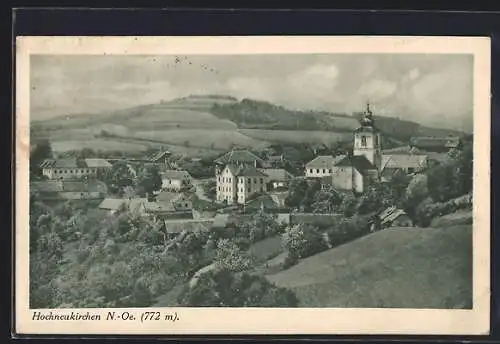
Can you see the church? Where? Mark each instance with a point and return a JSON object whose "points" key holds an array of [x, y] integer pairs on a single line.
{"points": [[355, 170]]}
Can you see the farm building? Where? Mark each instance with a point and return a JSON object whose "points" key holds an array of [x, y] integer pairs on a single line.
{"points": [[277, 178], [69, 190], [435, 144], [72, 168], [173, 180], [394, 217]]}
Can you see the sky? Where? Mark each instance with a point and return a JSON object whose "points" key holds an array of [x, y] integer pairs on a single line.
{"points": [[430, 89]]}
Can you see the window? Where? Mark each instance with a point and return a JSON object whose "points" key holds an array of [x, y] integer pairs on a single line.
{"points": [[219, 188], [230, 180], [330, 170], [310, 170], [249, 190], [324, 171], [376, 140], [363, 141], [255, 180], [249, 181], [261, 189], [411, 169], [186, 205], [219, 179], [262, 180], [317, 170]]}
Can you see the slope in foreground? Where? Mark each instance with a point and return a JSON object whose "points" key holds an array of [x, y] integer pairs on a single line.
{"points": [[395, 268]]}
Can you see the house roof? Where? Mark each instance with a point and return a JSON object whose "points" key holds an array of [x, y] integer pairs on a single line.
{"points": [[321, 161], [132, 204], [97, 163], [174, 174], [62, 163], [249, 171], [169, 197], [188, 225], [403, 161], [435, 142], [275, 158], [160, 155], [324, 161], [68, 186], [277, 174], [393, 215], [47, 186], [232, 168], [359, 162], [238, 156]]}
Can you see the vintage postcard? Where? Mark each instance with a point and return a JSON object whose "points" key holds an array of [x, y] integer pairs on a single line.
{"points": [[252, 185]]}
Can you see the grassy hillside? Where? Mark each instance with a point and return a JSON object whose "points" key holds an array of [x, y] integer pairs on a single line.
{"points": [[209, 124], [397, 268]]}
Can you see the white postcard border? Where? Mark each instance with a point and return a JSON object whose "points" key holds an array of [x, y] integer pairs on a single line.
{"points": [[264, 320]]}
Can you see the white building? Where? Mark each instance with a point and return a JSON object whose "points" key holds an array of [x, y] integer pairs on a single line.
{"points": [[72, 168], [173, 180]]}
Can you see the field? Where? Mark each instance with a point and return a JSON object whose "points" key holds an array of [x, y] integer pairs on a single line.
{"points": [[296, 136], [395, 268], [214, 138]]}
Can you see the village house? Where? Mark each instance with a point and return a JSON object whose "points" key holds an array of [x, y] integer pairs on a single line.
{"points": [[160, 157], [173, 180], [407, 163], [132, 205], [394, 217], [435, 144], [72, 168], [321, 166], [69, 190], [277, 178]]}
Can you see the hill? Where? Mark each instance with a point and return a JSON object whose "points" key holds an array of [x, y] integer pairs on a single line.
{"points": [[199, 124], [395, 268]]}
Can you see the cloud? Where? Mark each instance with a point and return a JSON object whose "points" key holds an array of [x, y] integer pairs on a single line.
{"points": [[377, 89]]}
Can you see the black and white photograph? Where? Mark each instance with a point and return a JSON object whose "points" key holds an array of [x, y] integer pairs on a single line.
{"points": [[322, 179]]}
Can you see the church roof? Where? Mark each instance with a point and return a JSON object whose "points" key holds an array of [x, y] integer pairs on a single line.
{"points": [[403, 161], [359, 162]]}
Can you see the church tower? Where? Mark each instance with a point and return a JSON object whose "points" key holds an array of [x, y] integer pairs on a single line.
{"points": [[367, 139]]}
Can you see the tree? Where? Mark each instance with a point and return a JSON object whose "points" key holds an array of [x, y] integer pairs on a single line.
{"points": [[294, 240], [149, 180], [41, 152], [326, 201], [229, 256], [118, 177], [223, 288], [348, 205]]}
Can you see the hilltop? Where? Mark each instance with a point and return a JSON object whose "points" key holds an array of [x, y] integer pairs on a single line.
{"points": [[199, 124], [397, 268]]}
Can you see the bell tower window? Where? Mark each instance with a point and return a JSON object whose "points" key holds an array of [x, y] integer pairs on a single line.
{"points": [[363, 141]]}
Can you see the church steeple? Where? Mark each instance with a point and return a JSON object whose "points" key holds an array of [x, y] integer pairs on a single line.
{"points": [[367, 139]]}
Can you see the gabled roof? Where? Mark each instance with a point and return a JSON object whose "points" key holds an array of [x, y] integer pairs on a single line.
{"points": [[359, 162], [325, 161], [321, 161], [249, 171], [188, 225], [132, 204], [238, 156], [403, 161], [160, 155], [97, 163], [232, 168], [393, 216], [62, 163], [175, 174], [276, 174], [68, 186], [170, 197], [435, 142]]}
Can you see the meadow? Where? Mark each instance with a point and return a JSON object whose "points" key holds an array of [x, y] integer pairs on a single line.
{"points": [[395, 268]]}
